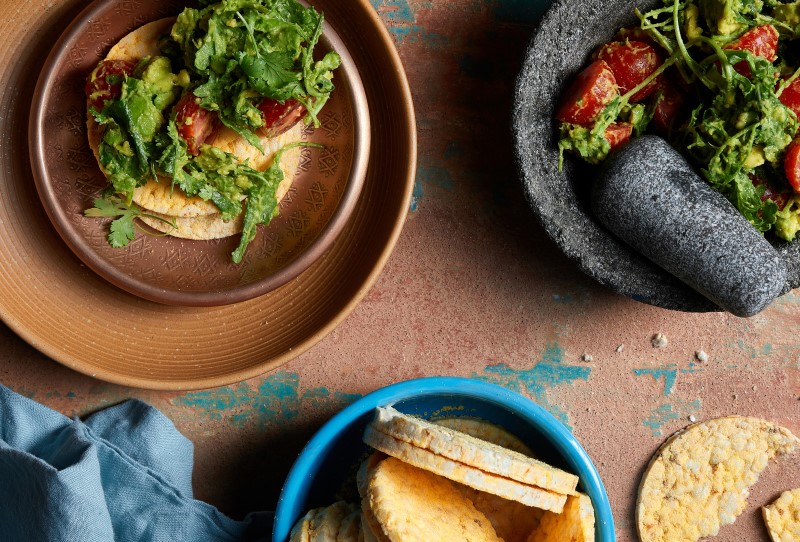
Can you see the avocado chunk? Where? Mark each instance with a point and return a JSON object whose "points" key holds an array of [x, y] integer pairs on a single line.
{"points": [[787, 13], [691, 22], [787, 222], [164, 85], [726, 17]]}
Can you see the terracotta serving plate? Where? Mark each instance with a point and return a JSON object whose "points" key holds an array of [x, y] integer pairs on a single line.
{"points": [[70, 313], [561, 47], [168, 269]]}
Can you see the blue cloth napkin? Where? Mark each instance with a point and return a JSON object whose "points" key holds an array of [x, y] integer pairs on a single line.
{"points": [[124, 474]]}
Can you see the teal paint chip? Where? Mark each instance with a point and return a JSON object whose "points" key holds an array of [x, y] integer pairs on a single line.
{"points": [[276, 401], [547, 374], [670, 412], [669, 373]]}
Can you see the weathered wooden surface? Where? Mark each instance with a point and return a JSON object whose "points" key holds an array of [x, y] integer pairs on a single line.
{"points": [[474, 288]]}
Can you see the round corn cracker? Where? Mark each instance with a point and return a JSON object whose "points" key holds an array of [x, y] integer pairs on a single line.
{"points": [[365, 469], [700, 478], [487, 431], [200, 228], [574, 524], [155, 196], [350, 526], [415, 505], [471, 451], [464, 474], [141, 42], [301, 532], [370, 528], [512, 521], [325, 525], [782, 517]]}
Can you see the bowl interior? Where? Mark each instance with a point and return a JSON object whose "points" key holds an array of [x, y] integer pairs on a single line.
{"points": [[175, 271], [560, 48], [326, 468]]}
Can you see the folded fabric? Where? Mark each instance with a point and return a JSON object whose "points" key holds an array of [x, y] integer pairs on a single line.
{"points": [[124, 474]]}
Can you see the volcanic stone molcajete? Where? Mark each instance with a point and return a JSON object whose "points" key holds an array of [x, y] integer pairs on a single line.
{"points": [[650, 197]]}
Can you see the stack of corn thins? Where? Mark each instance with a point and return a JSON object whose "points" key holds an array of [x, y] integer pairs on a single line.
{"points": [[462, 479]]}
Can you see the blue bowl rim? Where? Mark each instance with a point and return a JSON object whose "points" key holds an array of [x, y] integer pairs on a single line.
{"points": [[307, 463]]}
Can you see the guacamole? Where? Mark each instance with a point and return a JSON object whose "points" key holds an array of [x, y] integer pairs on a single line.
{"points": [[218, 66], [726, 95]]}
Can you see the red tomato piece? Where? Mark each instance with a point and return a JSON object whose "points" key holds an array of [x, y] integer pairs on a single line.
{"points": [[669, 106], [779, 198], [588, 94], [617, 134], [105, 81], [760, 41], [791, 164], [631, 62], [635, 33], [279, 117], [790, 97], [194, 123]]}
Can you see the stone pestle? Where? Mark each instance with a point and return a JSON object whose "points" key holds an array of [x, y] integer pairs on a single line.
{"points": [[649, 196]]}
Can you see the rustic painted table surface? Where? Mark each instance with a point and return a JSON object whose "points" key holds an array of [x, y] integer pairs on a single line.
{"points": [[474, 288]]}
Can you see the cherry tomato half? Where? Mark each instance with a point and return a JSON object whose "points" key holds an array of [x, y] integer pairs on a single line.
{"points": [[617, 134], [279, 117], [760, 41], [790, 97], [791, 164], [105, 81], [194, 123], [670, 102], [631, 62], [588, 94]]}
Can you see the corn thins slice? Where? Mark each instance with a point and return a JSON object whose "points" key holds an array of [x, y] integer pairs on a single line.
{"points": [[415, 505], [301, 532], [574, 524], [783, 517], [464, 474], [700, 478], [324, 527], [484, 430], [474, 452], [512, 521]]}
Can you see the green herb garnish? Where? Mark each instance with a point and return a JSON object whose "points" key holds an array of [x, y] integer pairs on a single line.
{"points": [[123, 227]]}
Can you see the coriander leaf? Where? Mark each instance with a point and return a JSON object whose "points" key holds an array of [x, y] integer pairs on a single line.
{"points": [[261, 205], [106, 207], [270, 73], [122, 230]]}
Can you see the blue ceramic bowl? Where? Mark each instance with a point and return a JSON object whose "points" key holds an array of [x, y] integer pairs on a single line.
{"points": [[325, 469]]}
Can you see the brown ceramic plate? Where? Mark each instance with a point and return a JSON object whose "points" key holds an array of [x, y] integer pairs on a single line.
{"points": [[67, 311], [168, 269]]}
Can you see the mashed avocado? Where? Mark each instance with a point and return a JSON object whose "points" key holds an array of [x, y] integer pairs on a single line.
{"points": [[165, 86], [787, 13], [691, 22], [787, 222], [736, 125], [726, 17]]}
